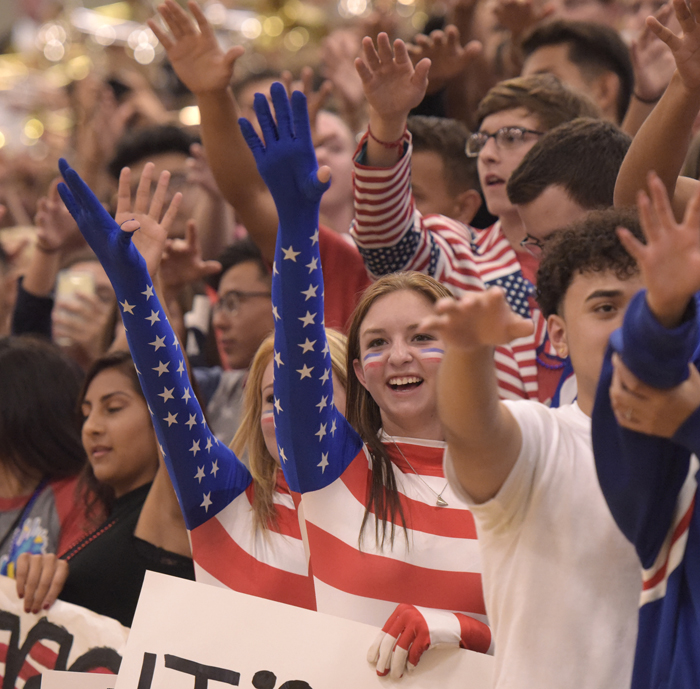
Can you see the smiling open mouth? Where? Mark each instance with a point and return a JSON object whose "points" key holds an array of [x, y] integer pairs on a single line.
{"points": [[405, 382]]}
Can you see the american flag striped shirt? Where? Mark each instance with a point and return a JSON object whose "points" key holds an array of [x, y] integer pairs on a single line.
{"points": [[392, 235], [214, 488], [437, 563]]}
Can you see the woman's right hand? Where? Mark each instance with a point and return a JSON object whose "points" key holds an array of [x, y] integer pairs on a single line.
{"points": [[40, 580]]}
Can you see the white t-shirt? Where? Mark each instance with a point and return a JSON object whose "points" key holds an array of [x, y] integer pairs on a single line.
{"points": [[561, 582]]}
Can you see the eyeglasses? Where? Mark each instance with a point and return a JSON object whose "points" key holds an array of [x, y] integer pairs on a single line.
{"points": [[533, 245], [505, 137], [231, 301]]}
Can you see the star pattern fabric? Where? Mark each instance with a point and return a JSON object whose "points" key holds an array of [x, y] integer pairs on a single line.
{"points": [[205, 483], [214, 488], [160, 365], [315, 441], [518, 290]]}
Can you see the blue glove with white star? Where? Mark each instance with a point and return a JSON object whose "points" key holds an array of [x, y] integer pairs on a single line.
{"points": [[206, 475], [109, 242], [315, 442], [287, 160]]}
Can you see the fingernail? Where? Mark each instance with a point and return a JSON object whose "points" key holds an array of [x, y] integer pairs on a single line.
{"points": [[21, 595], [47, 606]]}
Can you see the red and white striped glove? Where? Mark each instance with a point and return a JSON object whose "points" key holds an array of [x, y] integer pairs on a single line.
{"points": [[410, 631]]}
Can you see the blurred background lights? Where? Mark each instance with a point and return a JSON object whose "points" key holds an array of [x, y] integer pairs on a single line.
{"points": [[144, 54], [215, 12], [296, 39], [189, 116], [352, 8], [105, 34], [33, 129], [54, 50], [273, 26], [251, 28]]}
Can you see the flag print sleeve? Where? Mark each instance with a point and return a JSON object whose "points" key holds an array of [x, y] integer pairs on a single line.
{"points": [[392, 235], [315, 441], [206, 475]]}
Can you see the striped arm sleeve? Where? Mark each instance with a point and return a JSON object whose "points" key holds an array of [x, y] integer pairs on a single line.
{"points": [[387, 228]]}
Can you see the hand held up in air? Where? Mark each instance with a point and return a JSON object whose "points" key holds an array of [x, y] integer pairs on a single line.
{"points": [[111, 243], [686, 47], [670, 260], [193, 50], [478, 319], [286, 160]]}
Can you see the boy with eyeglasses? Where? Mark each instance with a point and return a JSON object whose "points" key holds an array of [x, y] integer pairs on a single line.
{"points": [[392, 235]]}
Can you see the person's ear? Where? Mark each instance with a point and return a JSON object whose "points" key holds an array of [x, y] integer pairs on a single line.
{"points": [[359, 372], [605, 90], [556, 327], [467, 203]]}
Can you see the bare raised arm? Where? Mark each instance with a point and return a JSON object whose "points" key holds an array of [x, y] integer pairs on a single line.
{"points": [[662, 141], [483, 437], [207, 70]]}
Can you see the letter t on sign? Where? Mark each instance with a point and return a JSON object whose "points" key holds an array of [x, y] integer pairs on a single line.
{"points": [[201, 673]]}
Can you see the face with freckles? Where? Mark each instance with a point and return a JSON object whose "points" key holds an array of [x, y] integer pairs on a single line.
{"points": [[267, 421], [399, 361]]}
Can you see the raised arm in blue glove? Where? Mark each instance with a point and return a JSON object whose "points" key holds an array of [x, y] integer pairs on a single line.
{"points": [[206, 475], [315, 441]]}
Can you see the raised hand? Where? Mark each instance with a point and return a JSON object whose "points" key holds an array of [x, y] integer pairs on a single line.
{"points": [[315, 99], [478, 319], [391, 83], [448, 57], [182, 261], [518, 16], [670, 260], [644, 409], [193, 50], [686, 47], [339, 51], [56, 228], [146, 213], [652, 60], [286, 160], [112, 244]]}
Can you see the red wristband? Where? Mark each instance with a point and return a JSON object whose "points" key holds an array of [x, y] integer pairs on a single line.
{"points": [[387, 144]]}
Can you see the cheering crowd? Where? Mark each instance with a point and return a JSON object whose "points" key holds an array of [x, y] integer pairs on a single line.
{"points": [[413, 345]]}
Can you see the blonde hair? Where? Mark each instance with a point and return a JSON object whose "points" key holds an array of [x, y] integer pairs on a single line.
{"points": [[249, 437]]}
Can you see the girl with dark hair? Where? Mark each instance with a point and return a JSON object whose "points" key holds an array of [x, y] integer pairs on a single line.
{"points": [[381, 469], [143, 528], [40, 451]]}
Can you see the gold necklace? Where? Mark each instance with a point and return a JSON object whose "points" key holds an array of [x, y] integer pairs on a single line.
{"points": [[440, 501]]}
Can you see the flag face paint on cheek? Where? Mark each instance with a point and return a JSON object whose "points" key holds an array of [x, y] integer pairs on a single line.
{"points": [[432, 354], [373, 359], [267, 417]]}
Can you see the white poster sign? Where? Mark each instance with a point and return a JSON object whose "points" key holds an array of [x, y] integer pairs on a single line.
{"points": [[194, 636], [66, 637], [53, 679]]}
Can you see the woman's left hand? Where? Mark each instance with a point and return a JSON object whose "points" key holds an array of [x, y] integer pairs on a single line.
{"points": [[40, 580]]}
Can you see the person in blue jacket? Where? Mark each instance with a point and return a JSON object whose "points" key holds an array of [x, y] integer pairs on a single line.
{"points": [[646, 439]]}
